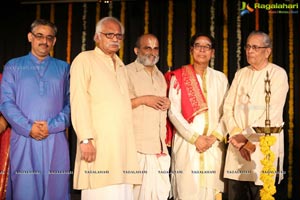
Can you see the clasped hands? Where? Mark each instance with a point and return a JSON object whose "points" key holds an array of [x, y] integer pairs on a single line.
{"points": [[39, 130], [157, 102], [245, 147], [203, 142]]}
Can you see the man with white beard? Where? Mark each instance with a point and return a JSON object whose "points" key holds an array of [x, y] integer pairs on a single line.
{"points": [[148, 90]]}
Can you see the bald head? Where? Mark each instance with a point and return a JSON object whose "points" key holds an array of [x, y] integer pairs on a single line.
{"points": [[144, 38]]}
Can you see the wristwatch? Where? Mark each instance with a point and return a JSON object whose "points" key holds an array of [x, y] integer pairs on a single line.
{"points": [[86, 141]]}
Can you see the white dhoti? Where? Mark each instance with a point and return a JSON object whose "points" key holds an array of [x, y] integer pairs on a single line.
{"points": [[156, 183], [202, 179], [120, 192]]}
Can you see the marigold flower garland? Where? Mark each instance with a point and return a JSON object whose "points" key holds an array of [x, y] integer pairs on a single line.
{"points": [[256, 18], [122, 19], [193, 18], [268, 171], [97, 12], [193, 22], [225, 38], [70, 8], [38, 11], [170, 36], [52, 12], [146, 16]]}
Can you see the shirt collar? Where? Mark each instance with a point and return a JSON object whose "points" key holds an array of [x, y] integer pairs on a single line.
{"points": [[140, 67], [36, 60], [99, 51]]}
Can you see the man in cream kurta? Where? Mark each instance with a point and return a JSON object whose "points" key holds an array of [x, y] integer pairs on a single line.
{"points": [[106, 164], [148, 90], [244, 108]]}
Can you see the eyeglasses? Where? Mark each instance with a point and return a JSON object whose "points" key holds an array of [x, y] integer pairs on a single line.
{"points": [[199, 47], [119, 36], [254, 47], [40, 37]]}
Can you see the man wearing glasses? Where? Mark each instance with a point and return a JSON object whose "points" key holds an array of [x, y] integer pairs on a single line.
{"points": [[197, 93], [106, 163], [244, 108], [35, 102]]}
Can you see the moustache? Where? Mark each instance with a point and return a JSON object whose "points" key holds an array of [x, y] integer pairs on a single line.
{"points": [[114, 44], [44, 44]]}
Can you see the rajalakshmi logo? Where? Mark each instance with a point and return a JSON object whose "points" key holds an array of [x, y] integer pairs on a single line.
{"points": [[281, 8], [246, 8]]}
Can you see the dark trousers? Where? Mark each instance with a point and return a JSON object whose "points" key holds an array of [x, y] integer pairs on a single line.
{"points": [[243, 190]]}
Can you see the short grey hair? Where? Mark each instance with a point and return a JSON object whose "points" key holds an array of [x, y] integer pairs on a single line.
{"points": [[266, 38], [43, 22], [99, 25]]}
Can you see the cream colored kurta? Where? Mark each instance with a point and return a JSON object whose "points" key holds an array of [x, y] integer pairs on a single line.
{"points": [[190, 169], [101, 109], [244, 108], [149, 123]]}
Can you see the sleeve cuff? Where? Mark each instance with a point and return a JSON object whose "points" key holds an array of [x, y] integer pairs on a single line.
{"points": [[248, 132], [218, 135], [235, 131], [194, 138]]}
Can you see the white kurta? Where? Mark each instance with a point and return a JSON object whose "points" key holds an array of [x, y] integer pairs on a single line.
{"points": [[190, 169], [244, 108]]}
